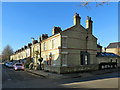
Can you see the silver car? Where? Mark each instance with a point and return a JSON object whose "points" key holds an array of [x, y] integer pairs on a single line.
{"points": [[10, 65], [18, 66]]}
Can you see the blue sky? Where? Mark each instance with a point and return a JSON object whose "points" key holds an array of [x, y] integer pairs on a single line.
{"points": [[23, 20]]}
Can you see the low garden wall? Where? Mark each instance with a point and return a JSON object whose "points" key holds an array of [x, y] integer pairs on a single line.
{"points": [[55, 69], [79, 68], [108, 65], [58, 69]]}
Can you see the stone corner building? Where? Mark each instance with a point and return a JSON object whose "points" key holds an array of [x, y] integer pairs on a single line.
{"points": [[71, 50]]}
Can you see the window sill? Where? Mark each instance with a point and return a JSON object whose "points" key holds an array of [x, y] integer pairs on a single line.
{"points": [[64, 47], [64, 65]]}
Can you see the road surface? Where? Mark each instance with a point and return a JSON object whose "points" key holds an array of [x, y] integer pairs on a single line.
{"points": [[22, 79]]}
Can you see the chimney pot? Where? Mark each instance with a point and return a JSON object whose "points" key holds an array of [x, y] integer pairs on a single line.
{"points": [[53, 26], [75, 14], [76, 19], [87, 17], [90, 18]]}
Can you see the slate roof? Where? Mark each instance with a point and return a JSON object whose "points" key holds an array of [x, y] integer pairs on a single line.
{"points": [[107, 55], [114, 45]]}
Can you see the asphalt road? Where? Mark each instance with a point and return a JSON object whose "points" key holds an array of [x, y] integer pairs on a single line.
{"points": [[22, 79]]}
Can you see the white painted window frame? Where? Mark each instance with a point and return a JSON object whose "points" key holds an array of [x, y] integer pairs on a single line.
{"points": [[44, 46], [66, 54], [86, 59], [53, 44], [64, 37], [37, 47]]}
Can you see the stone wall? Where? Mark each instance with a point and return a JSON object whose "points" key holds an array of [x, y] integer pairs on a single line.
{"points": [[78, 68], [54, 69], [76, 43], [59, 70]]}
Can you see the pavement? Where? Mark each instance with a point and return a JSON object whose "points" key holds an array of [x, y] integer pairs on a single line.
{"points": [[51, 75]]}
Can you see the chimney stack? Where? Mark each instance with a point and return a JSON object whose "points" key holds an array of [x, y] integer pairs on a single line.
{"points": [[43, 36], [56, 30], [29, 44], [25, 46], [34, 41], [39, 38], [76, 19], [104, 49], [22, 49], [89, 24], [18, 50]]}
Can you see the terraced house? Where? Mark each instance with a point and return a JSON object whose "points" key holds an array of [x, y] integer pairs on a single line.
{"points": [[71, 50], [22, 54]]}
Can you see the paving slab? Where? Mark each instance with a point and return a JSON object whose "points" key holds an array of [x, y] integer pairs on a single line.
{"points": [[51, 75]]}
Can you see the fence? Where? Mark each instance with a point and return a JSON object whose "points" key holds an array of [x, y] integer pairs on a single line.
{"points": [[108, 65]]}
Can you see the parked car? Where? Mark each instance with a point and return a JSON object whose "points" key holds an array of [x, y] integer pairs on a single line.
{"points": [[10, 65], [5, 63], [18, 66]]}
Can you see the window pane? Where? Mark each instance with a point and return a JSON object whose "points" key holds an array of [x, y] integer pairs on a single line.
{"points": [[86, 59], [64, 42], [53, 44], [64, 59], [37, 48], [46, 57], [44, 46]]}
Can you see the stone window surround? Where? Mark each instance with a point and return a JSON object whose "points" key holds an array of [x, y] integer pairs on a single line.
{"points": [[44, 46], [65, 54], [64, 42]]}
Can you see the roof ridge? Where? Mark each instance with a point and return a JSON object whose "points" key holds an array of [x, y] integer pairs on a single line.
{"points": [[68, 28], [114, 42]]}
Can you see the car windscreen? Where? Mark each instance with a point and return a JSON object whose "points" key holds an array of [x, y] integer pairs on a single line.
{"points": [[9, 63], [18, 64]]}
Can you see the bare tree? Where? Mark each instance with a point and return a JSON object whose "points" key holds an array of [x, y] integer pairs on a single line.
{"points": [[86, 3], [7, 52]]}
